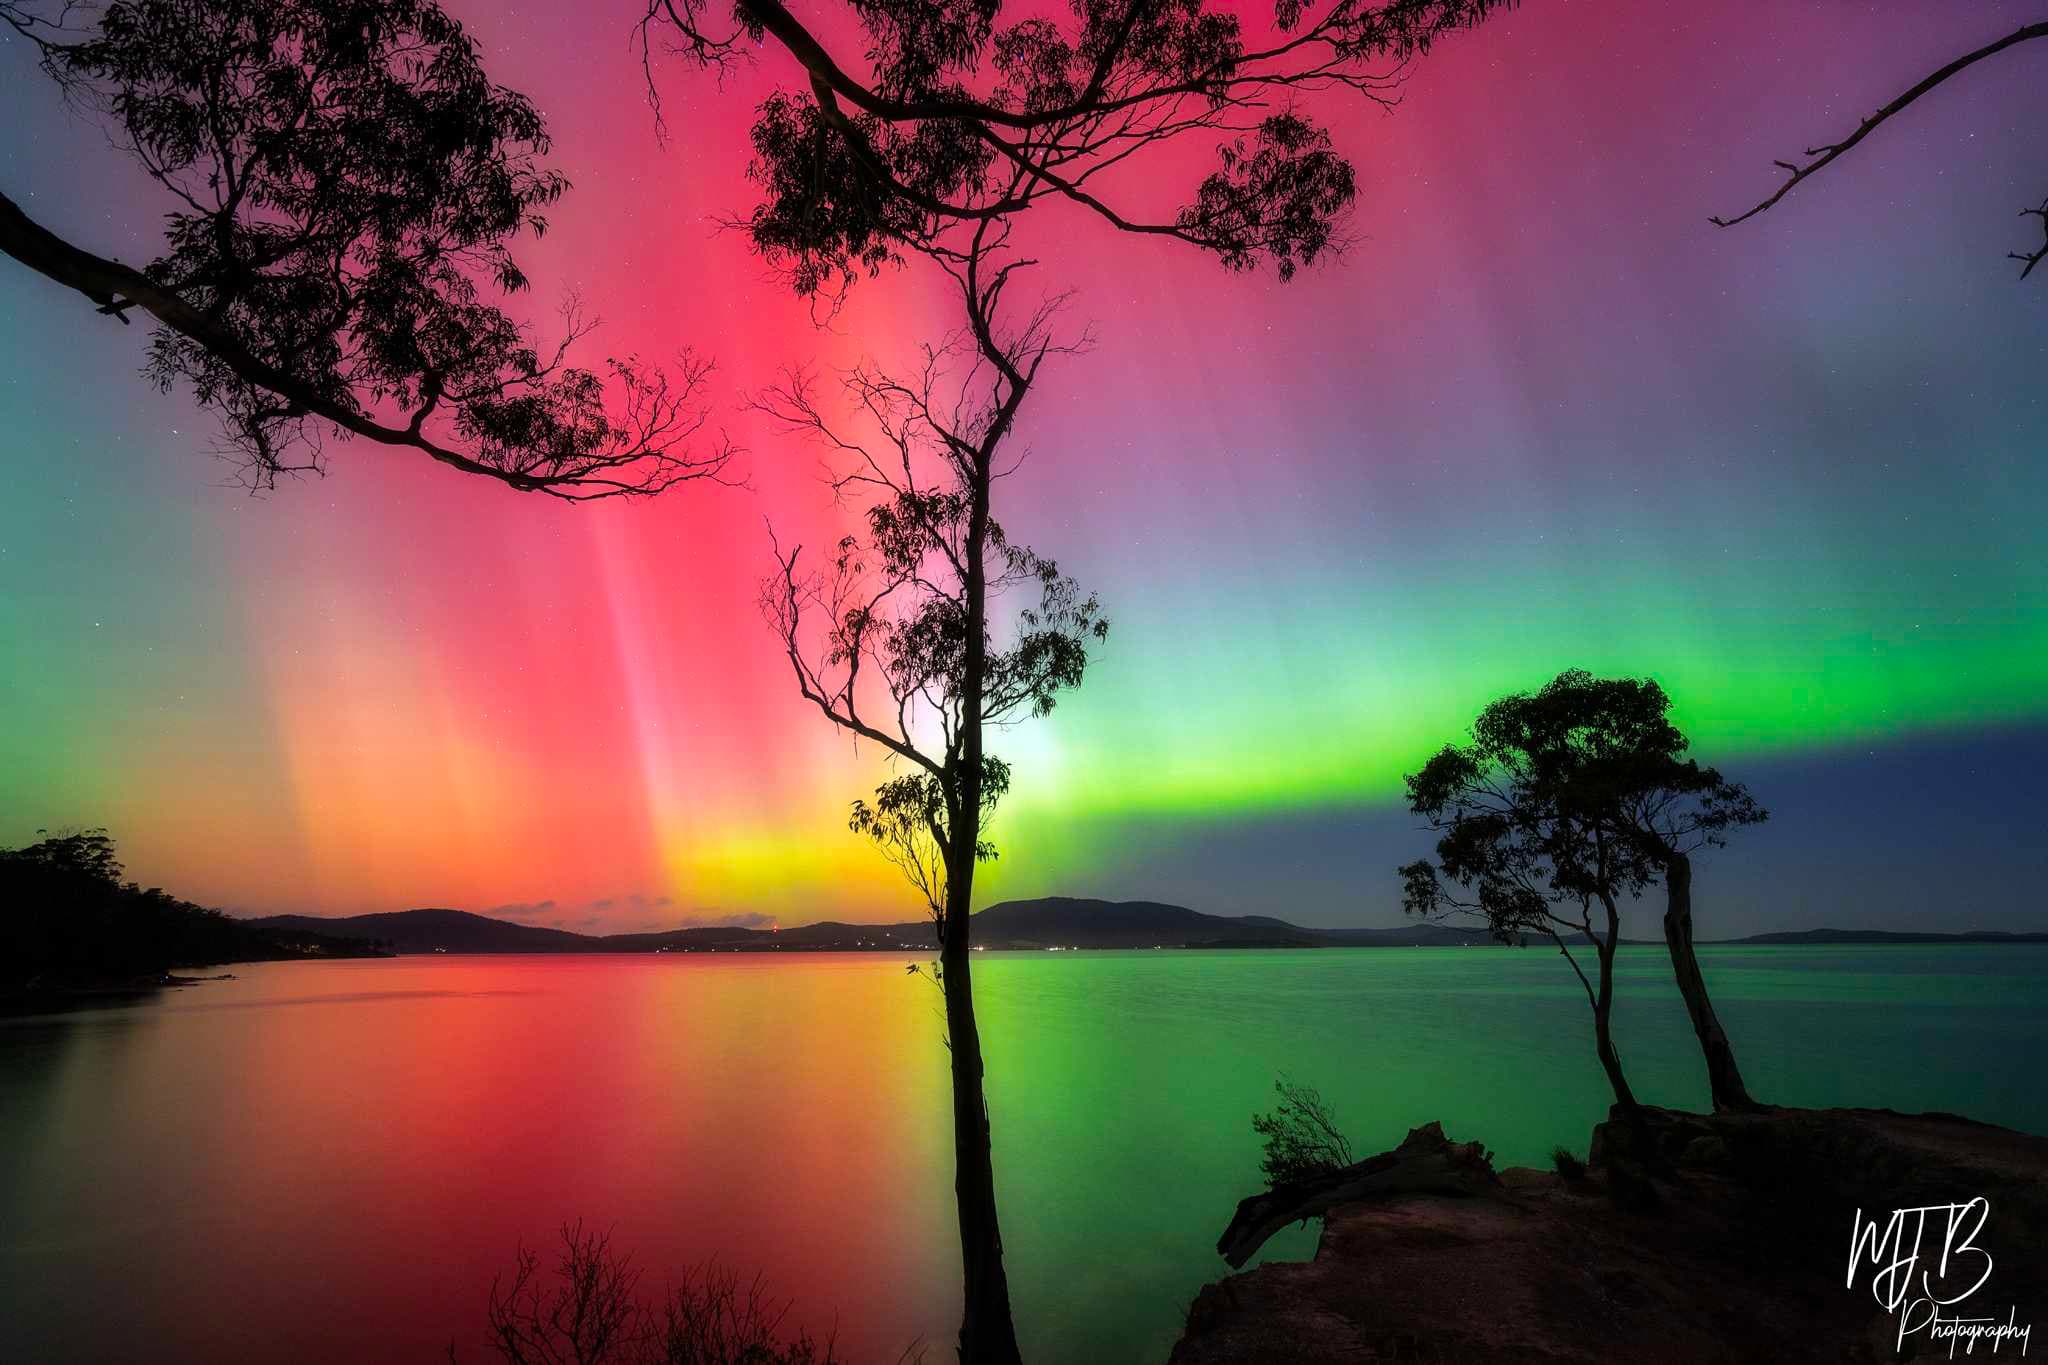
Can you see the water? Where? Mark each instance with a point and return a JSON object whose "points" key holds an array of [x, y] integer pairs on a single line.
{"points": [[328, 1162]]}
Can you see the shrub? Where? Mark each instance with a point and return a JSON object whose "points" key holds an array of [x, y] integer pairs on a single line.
{"points": [[1302, 1140], [591, 1312]]}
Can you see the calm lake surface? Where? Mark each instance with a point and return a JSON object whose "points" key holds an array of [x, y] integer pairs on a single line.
{"points": [[328, 1162]]}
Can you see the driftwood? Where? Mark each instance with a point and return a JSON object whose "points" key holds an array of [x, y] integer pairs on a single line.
{"points": [[1426, 1162]]}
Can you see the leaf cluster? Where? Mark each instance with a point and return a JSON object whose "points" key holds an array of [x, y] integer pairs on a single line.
{"points": [[954, 117], [932, 626], [88, 855], [1301, 1137], [1578, 791], [346, 184]]}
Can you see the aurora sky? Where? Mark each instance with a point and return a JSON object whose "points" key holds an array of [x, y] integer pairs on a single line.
{"points": [[1541, 415]]}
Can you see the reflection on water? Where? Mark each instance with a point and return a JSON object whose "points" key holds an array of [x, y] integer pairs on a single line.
{"points": [[330, 1161]]}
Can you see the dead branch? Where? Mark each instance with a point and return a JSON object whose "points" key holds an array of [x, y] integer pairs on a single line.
{"points": [[1426, 1162]]}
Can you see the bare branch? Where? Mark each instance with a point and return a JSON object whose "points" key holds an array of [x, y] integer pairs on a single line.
{"points": [[2029, 259], [1822, 156]]}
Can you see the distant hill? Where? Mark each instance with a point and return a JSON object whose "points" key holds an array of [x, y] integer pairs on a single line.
{"points": [[424, 931], [1049, 922], [1065, 921], [1827, 936]]}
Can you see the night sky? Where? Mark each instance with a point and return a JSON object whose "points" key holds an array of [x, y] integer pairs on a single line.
{"points": [[1541, 415]]}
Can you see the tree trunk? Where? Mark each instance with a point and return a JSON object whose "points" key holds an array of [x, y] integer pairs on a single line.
{"points": [[1603, 1008], [1722, 1074], [988, 1336]]}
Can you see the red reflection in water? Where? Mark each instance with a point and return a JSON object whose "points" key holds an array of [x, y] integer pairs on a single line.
{"points": [[330, 1162]]}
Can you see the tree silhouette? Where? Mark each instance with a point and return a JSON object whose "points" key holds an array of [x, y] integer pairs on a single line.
{"points": [[1659, 809], [346, 183], [1523, 857], [1579, 793], [1820, 157], [69, 921], [899, 639], [960, 125], [88, 855]]}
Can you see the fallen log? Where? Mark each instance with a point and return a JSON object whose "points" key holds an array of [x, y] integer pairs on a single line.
{"points": [[1426, 1162]]}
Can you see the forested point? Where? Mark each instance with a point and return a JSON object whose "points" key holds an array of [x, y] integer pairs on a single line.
{"points": [[70, 922]]}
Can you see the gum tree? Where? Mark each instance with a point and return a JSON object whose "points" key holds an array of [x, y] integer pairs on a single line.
{"points": [[1578, 793], [924, 636], [918, 130], [1623, 760], [1510, 854]]}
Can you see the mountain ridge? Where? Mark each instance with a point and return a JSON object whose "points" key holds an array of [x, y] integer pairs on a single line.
{"points": [[1041, 923]]}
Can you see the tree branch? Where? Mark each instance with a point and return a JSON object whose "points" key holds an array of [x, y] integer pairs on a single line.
{"points": [[114, 288], [1827, 153]]}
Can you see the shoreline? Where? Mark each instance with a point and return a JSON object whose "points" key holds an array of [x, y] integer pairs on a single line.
{"points": [[86, 986], [1012, 947]]}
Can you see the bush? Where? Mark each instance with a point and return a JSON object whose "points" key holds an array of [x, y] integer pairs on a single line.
{"points": [[590, 1312], [1302, 1140]]}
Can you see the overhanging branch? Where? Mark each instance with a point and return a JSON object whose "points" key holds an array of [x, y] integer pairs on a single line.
{"points": [[1822, 156]]}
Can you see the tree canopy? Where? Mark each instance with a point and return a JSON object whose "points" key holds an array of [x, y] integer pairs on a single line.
{"points": [[1579, 789], [878, 637], [1580, 792], [960, 118], [346, 184], [68, 918]]}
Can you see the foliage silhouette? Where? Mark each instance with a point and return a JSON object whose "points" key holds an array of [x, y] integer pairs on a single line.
{"points": [[960, 125], [963, 119], [899, 639], [1525, 860], [70, 921], [1574, 794], [1301, 1136], [345, 185], [591, 1312]]}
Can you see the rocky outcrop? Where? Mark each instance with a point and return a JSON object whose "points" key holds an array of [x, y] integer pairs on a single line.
{"points": [[1689, 1238], [1426, 1162]]}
